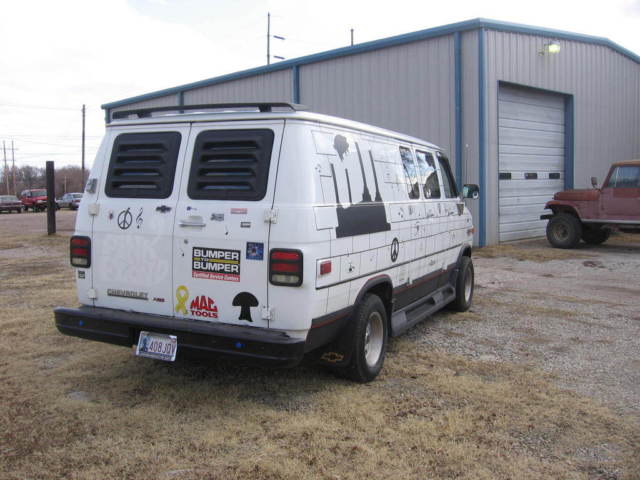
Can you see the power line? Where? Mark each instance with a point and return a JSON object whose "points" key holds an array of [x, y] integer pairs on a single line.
{"points": [[39, 107], [64, 145], [49, 135]]}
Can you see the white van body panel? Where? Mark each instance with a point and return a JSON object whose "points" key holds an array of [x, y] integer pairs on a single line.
{"points": [[230, 228], [132, 239], [340, 192], [84, 221]]}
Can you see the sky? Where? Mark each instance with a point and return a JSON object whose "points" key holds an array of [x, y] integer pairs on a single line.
{"points": [[59, 55]]}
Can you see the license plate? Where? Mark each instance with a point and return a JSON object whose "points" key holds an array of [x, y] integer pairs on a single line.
{"points": [[158, 346]]}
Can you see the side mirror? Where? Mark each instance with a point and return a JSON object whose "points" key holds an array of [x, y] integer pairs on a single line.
{"points": [[471, 191], [594, 182]]}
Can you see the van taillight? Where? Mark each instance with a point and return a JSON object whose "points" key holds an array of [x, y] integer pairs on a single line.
{"points": [[80, 250], [285, 267]]}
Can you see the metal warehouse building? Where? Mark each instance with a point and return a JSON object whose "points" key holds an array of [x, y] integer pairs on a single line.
{"points": [[517, 118]]}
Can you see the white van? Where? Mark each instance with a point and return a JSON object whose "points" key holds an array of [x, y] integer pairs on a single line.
{"points": [[266, 232]]}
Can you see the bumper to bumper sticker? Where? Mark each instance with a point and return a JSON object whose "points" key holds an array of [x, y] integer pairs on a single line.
{"points": [[216, 264]]}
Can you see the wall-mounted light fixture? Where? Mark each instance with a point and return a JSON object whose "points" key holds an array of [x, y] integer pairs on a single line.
{"points": [[550, 48]]}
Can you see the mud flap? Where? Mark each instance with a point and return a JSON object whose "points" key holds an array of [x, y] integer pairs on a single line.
{"points": [[337, 352]]}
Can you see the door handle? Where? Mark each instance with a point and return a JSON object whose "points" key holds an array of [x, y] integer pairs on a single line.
{"points": [[186, 223]]}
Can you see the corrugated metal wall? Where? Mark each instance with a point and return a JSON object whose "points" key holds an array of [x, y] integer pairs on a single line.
{"points": [[275, 86], [470, 133], [606, 90], [407, 88]]}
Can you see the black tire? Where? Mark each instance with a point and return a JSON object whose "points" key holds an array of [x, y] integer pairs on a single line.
{"points": [[564, 230], [595, 235], [464, 286], [370, 311], [18, 210]]}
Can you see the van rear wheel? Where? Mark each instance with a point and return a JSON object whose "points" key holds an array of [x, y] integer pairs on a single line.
{"points": [[464, 286], [368, 334]]}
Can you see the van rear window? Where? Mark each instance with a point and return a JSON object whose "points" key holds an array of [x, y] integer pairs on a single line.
{"points": [[231, 164], [143, 165]]}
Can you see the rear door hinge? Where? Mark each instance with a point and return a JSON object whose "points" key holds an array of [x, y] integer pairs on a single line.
{"points": [[271, 215], [267, 312]]}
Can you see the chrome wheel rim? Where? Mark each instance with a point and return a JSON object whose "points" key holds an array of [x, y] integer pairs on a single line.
{"points": [[468, 286], [373, 339]]}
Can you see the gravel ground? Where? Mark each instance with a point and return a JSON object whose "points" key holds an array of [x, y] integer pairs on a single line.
{"points": [[576, 318]]}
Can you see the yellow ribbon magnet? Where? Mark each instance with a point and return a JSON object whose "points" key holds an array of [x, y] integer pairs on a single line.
{"points": [[182, 295]]}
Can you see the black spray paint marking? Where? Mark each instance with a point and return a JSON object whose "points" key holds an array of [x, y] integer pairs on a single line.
{"points": [[139, 219], [245, 301]]}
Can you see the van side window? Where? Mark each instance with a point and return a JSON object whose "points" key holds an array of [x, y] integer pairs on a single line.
{"points": [[410, 172], [231, 164], [427, 168], [143, 165], [450, 189]]}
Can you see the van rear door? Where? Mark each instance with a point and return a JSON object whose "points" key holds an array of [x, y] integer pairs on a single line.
{"points": [[221, 241], [133, 227]]}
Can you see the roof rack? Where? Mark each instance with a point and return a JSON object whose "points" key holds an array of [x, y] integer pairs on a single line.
{"points": [[260, 106]]}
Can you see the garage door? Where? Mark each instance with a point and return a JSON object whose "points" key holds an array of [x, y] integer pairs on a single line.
{"points": [[531, 158]]}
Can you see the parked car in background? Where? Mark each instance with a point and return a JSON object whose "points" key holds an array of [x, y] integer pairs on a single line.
{"points": [[35, 200], [591, 214], [70, 200], [10, 203]]}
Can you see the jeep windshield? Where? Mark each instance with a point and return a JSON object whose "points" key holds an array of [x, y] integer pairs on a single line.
{"points": [[38, 193]]}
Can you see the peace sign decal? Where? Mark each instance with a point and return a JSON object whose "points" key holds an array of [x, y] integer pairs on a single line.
{"points": [[395, 249], [125, 219]]}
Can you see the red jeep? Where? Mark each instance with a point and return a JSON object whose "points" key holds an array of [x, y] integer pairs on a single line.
{"points": [[591, 214], [35, 200]]}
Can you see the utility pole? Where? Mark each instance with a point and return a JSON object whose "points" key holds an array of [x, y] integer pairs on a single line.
{"points": [[269, 41], [13, 159], [268, 38], [352, 37], [6, 169], [51, 198], [83, 121]]}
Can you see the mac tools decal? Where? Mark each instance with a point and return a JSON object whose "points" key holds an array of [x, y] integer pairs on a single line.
{"points": [[216, 264]]}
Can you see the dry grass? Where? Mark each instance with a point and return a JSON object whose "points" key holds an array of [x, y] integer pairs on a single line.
{"points": [[77, 409], [539, 250], [528, 251]]}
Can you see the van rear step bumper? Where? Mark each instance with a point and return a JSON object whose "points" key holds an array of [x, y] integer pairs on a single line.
{"points": [[194, 337]]}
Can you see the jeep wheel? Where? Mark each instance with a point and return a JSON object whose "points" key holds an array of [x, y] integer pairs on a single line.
{"points": [[564, 230], [464, 286], [368, 333], [595, 235]]}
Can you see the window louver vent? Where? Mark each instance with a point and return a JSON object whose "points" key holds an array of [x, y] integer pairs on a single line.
{"points": [[143, 165], [231, 164]]}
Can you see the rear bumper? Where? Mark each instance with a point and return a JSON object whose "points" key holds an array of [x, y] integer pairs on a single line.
{"points": [[194, 337]]}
